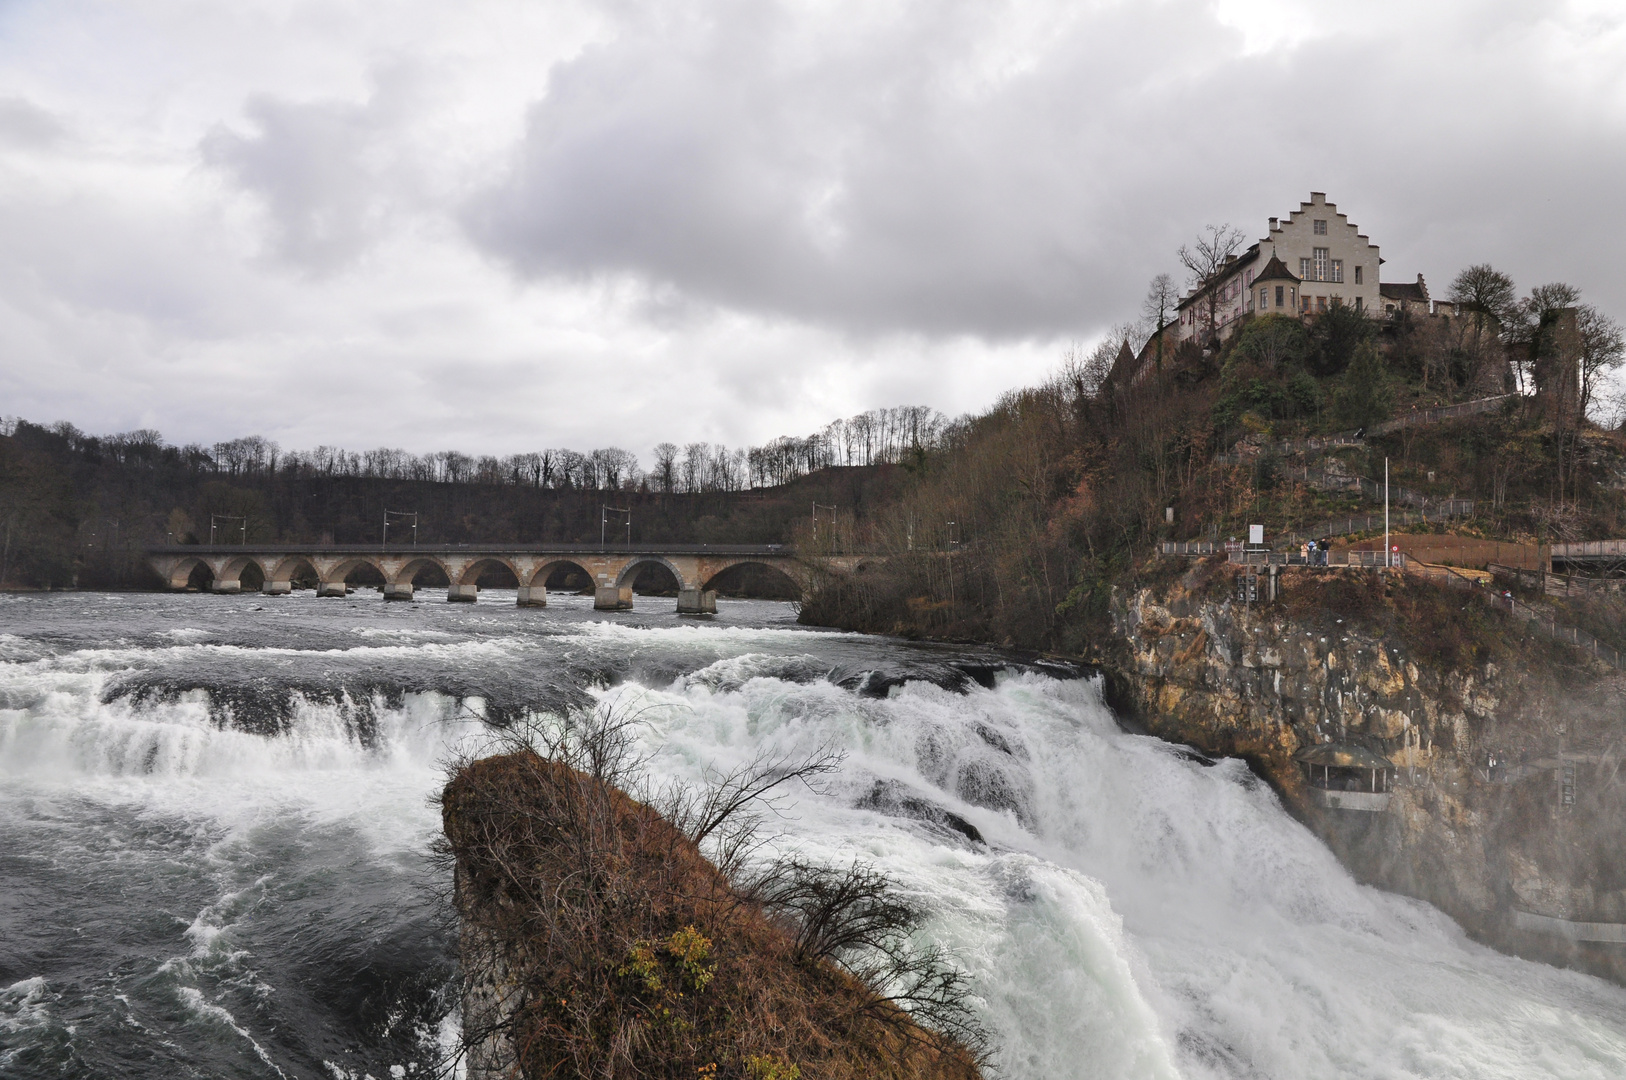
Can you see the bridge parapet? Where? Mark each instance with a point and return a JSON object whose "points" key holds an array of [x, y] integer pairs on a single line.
{"points": [[612, 569]]}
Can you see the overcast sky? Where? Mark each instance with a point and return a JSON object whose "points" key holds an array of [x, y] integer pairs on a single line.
{"points": [[502, 226]]}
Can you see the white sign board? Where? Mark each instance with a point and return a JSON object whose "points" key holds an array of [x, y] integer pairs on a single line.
{"points": [[1256, 534]]}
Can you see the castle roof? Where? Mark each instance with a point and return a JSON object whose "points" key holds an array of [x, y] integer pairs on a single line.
{"points": [[1231, 267], [1276, 270], [1414, 292]]}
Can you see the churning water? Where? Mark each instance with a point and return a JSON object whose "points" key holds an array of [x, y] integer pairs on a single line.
{"points": [[214, 819]]}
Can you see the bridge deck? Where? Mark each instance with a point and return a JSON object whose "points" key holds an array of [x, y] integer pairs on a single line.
{"points": [[469, 549]]}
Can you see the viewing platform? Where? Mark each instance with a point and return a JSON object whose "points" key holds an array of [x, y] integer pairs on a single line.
{"points": [[1346, 776]]}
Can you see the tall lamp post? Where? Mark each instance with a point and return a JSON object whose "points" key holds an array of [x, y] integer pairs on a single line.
{"points": [[832, 516], [413, 514], [242, 528], [604, 522]]}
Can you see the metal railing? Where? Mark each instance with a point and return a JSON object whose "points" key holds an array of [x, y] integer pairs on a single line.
{"points": [[1539, 621], [1335, 559], [1445, 508], [1419, 417], [1560, 584], [1607, 550], [1192, 549]]}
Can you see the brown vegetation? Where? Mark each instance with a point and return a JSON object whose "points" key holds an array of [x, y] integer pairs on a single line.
{"points": [[1022, 524], [598, 940]]}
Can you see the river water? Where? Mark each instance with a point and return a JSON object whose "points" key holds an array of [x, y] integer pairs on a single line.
{"points": [[215, 816]]}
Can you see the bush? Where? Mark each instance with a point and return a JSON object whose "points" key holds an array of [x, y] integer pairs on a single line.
{"points": [[1364, 397], [597, 940]]}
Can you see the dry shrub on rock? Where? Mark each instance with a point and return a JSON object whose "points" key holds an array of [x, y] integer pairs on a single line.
{"points": [[598, 940]]}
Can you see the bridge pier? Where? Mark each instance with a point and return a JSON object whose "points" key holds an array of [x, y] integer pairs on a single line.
{"points": [[398, 591], [332, 588], [277, 588], [533, 596], [612, 598], [462, 594], [229, 588], [697, 602]]}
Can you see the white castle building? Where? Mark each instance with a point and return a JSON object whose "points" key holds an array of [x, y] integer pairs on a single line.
{"points": [[1311, 261]]}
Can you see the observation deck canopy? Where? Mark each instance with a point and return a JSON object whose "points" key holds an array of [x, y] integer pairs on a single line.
{"points": [[1346, 776]]}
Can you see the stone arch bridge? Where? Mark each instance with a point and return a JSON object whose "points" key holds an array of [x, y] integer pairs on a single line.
{"points": [[612, 569]]}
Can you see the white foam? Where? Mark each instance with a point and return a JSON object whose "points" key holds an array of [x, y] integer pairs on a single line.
{"points": [[1137, 914], [1133, 914], [194, 1001]]}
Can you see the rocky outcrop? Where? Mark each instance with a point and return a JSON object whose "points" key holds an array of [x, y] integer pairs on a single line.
{"points": [[597, 940], [1507, 804]]}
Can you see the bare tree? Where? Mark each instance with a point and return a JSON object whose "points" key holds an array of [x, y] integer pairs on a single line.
{"points": [[1215, 247], [1603, 349], [666, 470], [1156, 309]]}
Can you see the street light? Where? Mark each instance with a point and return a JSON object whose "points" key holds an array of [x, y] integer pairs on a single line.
{"points": [[832, 515], [604, 521], [413, 514], [242, 529]]}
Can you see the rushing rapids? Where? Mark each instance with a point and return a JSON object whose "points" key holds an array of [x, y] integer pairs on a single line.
{"points": [[215, 822]]}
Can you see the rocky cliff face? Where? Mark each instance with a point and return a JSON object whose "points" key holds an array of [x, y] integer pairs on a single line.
{"points": [[1507, 804]]}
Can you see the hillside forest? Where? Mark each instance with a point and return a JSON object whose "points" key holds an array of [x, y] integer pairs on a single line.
{"points": [[1011, 526]]}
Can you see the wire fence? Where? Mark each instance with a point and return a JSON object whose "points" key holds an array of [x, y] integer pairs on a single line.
{"points": [[1539, 621]]}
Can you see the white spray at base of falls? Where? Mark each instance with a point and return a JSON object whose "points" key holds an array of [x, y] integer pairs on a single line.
{"points": [[1136, 913], [1132, 913]]}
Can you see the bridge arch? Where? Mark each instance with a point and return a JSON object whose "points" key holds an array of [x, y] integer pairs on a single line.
{"points": [[629, 573], [777, 578], [234, 569], [192, 573], [485, 564], [548, 569], [295, 568], [414, 568], [365, 566]]}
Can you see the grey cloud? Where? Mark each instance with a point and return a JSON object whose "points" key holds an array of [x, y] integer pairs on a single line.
{"points": [[877, 181], [22, 123], [908, 176], [325, 170]]}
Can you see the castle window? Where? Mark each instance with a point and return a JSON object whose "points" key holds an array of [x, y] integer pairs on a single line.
{"points": [[1306, 270], [1321, 304], [1321, 261], [1279, 295], [1357, 275], [1264, 298], [1338, 270], [1320, 227], [1358, 305]]}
